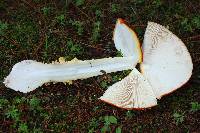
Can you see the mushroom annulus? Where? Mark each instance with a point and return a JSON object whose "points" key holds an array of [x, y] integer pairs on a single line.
{"points": [[28, 75], [166, 66]]}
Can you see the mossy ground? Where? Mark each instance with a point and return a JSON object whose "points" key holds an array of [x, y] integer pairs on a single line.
{"points": [[44, 30]]}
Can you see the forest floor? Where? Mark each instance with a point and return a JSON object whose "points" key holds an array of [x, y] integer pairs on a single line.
{"points": [[45, 30]]}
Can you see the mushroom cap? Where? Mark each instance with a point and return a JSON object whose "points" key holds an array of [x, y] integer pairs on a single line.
{"points": [[126, 40], [132, 92], [167, 63]]}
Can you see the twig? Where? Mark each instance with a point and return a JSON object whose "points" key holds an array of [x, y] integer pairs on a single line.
{"points": [[193, 37]]}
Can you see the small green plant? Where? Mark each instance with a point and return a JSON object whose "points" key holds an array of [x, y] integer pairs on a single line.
{"points": [[129, 114], [178, 117], [186, 25], [96, 31], [104, 84], [108, 121], [19, 100], [115, 8], [74, 48], [94, 123], [13, 113], [98, 13], [46, 10], [37, 130], [116, 78], [3, 102], [196, 21], [157, 3], [23, 128], [61, 19], [119, 54], [78, 25], [79, 2], [137, 128], [118, 130], [34, 104], [195, 106], [3, 27]]}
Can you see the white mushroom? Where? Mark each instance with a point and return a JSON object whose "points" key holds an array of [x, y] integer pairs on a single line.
{"points": [[167, 64], [27, 75]]}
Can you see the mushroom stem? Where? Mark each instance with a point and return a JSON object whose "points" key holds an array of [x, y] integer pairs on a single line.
{"points": [[86, 69], [28, 74]]}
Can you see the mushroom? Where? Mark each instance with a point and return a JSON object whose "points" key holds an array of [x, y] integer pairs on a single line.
{"points": [[166, 66], [27, 75]]}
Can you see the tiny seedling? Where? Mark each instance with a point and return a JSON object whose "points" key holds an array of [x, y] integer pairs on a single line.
{"points": [[195, 106], [186, 24], [13, 113], [98, 13], [73, 48], [94, 123], [23, 128], [118, 130], [34, 103], [178, 117], [108, 121], [130, 114], [79, 2], [115, 8], [78, 26], [3, 102], [104, 84], [61, 19], [3, 27], [46, 10], [96, 31]]}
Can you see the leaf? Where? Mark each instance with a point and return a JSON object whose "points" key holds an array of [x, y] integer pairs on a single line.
{"points": [[118, 130], [79, 2], [105, 128], [195, 106], [112, 119], [106, 119]]}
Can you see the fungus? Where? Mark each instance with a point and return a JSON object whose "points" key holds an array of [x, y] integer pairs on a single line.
{"points": [[166, 66]]}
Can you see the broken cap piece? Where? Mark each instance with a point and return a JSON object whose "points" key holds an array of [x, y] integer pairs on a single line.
{"points": [[132, 92], [167, 63], [126, 40]]}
